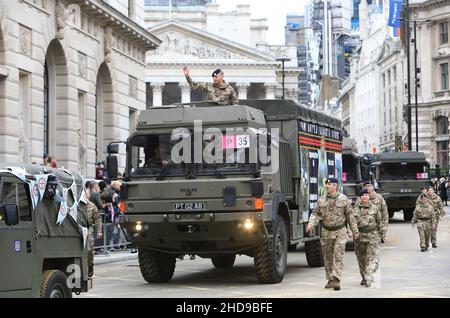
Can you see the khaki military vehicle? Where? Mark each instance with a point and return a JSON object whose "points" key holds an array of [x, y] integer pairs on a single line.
{"points": [[40, 258], [355, 172], [399, 177], [237, 206]]}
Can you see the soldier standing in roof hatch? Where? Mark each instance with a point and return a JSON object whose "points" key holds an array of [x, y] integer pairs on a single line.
{"points": [[219, 92]]}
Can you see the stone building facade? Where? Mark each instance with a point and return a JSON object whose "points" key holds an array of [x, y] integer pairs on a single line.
{"points": [[207, 39], [72, 79], [434, 93]]}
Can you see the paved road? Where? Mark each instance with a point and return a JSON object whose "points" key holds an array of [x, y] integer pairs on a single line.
{"points": [[404, 272]]}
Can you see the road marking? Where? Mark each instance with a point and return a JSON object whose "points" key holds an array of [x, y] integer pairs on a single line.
{"points": [[193, 287]]}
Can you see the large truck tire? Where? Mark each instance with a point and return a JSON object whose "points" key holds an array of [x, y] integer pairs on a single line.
{"points": [[156, 267], [54, 285], [271, 265], [314, 253], [408, 214], [223, 260]]}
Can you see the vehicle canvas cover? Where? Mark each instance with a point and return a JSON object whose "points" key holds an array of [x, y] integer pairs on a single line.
{"points": [[65, 215]]}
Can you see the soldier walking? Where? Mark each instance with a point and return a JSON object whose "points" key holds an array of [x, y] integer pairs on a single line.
{"points": [[436, 202], [371, 229], [219, 92], [425, 218], [335, 212], [377, 200], [93, 219]]}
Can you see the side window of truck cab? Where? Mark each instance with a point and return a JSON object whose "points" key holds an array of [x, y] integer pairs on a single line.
{"points": [[15, 192]]}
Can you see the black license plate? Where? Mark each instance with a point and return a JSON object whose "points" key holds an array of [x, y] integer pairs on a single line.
{"points": [[190, 206]]}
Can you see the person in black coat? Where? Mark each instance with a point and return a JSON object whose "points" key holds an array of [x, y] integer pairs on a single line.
{"points": [[443, 184]]}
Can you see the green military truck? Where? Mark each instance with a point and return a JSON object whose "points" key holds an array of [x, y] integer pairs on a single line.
{"points": [[354, 172], [42, 232], [237, 206], [399, 177]]}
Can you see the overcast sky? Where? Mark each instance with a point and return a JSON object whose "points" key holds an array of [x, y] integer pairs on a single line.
{"points": [[274, 10]]}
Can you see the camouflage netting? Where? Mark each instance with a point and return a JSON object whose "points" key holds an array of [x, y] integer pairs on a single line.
{"points": [[46, 210]]}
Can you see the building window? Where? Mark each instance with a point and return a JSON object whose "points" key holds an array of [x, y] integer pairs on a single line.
{"points": [[444, 32], [444, 76], [442, 154], [442, 125]]}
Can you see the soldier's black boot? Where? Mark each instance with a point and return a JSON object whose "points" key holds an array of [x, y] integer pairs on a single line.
{"points": [[434, 245], [368, 283], [336, 284], [90, 271], [329, 284], [423, 249], [363, 282]]}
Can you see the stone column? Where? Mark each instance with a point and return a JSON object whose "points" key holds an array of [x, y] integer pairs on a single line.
{"points": [[242, 90], [185, 92], [270, 90], [157, 93]]}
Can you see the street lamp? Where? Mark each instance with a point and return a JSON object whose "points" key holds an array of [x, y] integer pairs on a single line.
{"points": [[282, 60], [416, 79]]}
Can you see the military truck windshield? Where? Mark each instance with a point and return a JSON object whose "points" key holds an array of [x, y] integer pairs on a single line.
{"points": [[151, 157], [349, 166], [404, 170]]}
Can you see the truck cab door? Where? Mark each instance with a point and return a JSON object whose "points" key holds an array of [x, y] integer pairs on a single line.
{"points": [[17, 252]]}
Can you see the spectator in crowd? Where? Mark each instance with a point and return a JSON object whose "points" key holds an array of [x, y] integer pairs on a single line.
{"points": [[52, 162], [103, 186], [443, 185], [99, 170], [94, 191]]}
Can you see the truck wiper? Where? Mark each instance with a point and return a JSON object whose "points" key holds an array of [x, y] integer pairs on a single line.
{"points": [[217, 173], [162, 174], [189, 171]]}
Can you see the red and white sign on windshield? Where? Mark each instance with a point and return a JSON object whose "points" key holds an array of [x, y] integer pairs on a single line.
{"points": [[344, 176], [235, 141], [422, 175]]}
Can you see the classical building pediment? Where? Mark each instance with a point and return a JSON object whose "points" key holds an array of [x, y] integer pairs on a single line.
{"points": [[183, 42], [388, 48]]}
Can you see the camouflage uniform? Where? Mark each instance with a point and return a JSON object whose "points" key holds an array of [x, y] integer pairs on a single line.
{"points": [[378, 200], [222, 95], [438, 206], [336, 213], [93, 219], [425, 218], [367, 246]]}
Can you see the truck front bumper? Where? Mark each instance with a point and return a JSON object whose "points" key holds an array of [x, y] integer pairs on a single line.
{"points": [[197, 233]]}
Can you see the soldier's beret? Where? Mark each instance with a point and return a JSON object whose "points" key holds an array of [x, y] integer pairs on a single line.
{"points": [[332, 180], [216, 72], [367, 182], [362, 192], [423, 188]]}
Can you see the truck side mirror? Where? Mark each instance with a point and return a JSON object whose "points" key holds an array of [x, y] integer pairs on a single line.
{"points": [[112, 167], [11, 212]]}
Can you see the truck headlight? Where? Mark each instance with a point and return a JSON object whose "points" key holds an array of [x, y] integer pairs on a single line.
{"points": [[138, 227], [249, 225]]}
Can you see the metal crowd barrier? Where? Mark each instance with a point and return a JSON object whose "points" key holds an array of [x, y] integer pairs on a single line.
{"points": [[115, 237]]}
